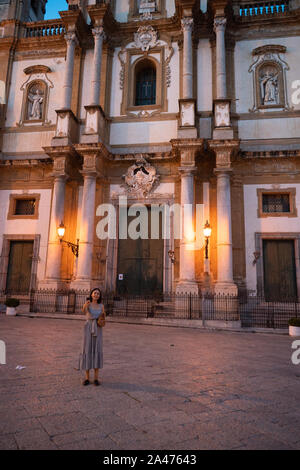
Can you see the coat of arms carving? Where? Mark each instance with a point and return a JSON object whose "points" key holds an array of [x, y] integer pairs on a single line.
{"points": [[140, 178], [145, 38]]}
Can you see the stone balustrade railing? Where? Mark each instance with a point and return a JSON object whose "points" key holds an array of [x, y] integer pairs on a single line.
{"points": [[263, 8], [44, 28]]}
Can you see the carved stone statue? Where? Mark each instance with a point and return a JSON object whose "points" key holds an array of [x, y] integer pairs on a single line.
{"points": [[35, 104], [269, 88]]}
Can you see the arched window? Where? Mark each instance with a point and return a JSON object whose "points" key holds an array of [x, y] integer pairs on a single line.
{"points": [[145, 83]]}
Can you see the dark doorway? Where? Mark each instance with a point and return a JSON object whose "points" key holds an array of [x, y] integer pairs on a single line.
{"points": [[279, 270], [19, 267], [140, 262]]}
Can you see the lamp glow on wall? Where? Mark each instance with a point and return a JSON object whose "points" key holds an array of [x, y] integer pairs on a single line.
{"points": [[207, 234], [74, 247]]}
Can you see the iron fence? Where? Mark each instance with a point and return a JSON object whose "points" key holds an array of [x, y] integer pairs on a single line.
{"points": [[246, 309]]}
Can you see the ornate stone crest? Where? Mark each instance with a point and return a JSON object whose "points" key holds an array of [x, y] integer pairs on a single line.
{"points": [[145, 38], [140, 177]]}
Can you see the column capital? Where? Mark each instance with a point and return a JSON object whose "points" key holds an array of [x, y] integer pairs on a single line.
{"points": [[187, 24], [224, 150], [219, 24], [187, 170], [71, 38], [98, 32], [91, 167]]}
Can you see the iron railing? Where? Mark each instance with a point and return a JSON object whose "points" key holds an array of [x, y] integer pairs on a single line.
{"points": [[247, 310]]}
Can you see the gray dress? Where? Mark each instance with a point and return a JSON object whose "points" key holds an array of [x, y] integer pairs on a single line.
{"points": [[91, 356]]}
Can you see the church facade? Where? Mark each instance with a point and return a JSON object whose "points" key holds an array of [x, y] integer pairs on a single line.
{"points": [[123, 104]]}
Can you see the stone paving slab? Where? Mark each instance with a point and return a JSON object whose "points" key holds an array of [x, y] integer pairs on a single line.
{"points": [[162, 388]]}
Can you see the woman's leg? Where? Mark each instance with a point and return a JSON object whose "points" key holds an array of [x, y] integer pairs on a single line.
{"points": [[96, 374], [87, 375]]}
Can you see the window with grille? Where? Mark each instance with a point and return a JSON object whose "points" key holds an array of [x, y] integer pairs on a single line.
{"points": [[25, 207], [276, 203], [145, 91]]}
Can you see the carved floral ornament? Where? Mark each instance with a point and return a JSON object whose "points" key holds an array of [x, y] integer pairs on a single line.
{"points": [[140, 178], [269, 78]]}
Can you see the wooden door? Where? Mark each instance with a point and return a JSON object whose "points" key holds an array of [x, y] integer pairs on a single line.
{"points": [[19, 267], [141, 264], [279, 270]]}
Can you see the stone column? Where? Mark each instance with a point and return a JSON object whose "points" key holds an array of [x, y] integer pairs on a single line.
{"points": [[187, 282], [94, 131], [68, 78], [99, 35], [87, 225], [187, 78], [224, 243], [219, 28], [52, 279], [223, 170]]}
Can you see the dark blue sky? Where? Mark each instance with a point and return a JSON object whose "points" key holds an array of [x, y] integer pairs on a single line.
{"points": [[53, 7]]}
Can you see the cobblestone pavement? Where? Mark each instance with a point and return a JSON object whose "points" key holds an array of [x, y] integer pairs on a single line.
{"points": [[162, 388]]}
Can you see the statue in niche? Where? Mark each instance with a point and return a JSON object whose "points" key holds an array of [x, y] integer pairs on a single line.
{"points": [[35, 103], [269, 87]]}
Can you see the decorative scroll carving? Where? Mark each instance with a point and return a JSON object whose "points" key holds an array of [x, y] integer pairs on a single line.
{"points": [[122, 58], [140, 177]]}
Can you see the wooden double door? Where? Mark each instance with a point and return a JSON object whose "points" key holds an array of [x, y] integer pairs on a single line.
{"points": [[140, 264], [19, 267], [280, 281]]}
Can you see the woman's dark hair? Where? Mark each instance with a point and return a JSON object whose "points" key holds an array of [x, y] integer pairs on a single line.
{"points": [[90, 297]]}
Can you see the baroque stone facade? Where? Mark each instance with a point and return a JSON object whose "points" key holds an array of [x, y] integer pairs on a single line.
{"points": [[163, 102]]}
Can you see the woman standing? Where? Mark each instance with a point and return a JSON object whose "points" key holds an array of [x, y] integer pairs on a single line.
{"points": [[92, 351]]}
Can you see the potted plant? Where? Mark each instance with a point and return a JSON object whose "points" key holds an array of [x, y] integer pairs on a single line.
{"points": [[294, 326], [11, 305]]}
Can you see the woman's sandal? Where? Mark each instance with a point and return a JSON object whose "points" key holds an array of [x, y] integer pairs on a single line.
{"points": [[86, 382], [96, 382]]}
